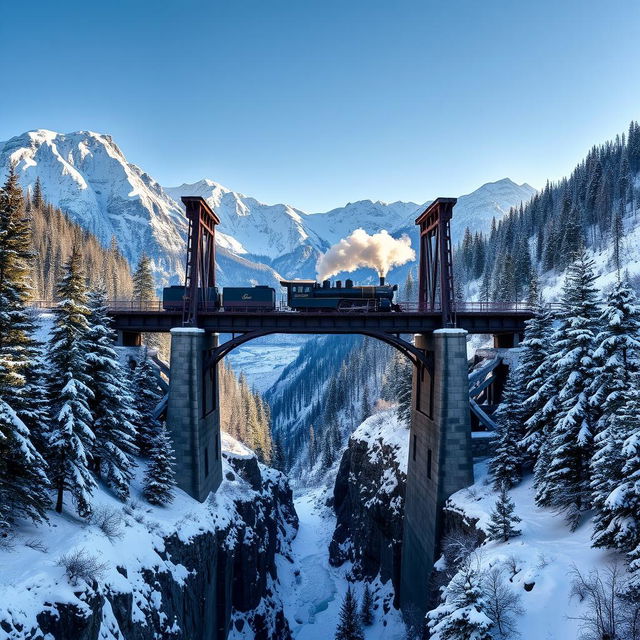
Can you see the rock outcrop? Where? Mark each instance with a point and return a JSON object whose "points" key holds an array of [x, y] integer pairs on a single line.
{"points": [[213, 577], [369, 499]]}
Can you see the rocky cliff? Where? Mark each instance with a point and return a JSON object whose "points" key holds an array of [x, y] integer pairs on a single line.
{"points": [[369, 499], [192, 572]]}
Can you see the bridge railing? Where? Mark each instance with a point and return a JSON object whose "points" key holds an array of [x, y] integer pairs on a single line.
{"points": [[123, 306], [468, 307]]}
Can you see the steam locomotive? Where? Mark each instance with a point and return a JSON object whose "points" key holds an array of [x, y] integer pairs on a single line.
{"points": [[302, 295], [308, 295]]}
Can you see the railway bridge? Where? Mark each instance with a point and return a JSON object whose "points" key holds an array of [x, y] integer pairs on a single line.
{"points": [[440, 454]]}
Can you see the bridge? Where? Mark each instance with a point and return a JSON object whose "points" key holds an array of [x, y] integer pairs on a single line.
{"points": [[440, 451]]}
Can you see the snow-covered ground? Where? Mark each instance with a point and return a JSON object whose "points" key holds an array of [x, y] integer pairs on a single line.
{"points": [[545, 555], [313, 590]]}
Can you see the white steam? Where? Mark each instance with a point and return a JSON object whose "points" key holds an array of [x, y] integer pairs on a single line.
{"points": [[381, 251]]}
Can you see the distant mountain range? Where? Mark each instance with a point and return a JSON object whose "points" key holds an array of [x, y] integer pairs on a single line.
{"points": [[88, 177]]}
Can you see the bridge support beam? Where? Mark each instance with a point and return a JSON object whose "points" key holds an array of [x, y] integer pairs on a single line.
{"points": [[440, 460], [193, 414]]}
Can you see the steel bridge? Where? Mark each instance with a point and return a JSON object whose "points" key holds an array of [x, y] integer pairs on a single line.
{"points": [[440, 458]]}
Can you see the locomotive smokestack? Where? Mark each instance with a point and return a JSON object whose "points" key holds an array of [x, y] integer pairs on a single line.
{"points": [[382, 281]]}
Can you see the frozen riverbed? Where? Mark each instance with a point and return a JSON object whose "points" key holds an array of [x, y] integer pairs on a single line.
{"points": [[311, 588]]}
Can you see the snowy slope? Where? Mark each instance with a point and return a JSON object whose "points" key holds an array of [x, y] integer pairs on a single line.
{"points": [[259, 229], [371, 216], [88, 177], [544, 555]]}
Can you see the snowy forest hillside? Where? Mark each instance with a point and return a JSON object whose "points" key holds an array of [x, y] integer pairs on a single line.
{"points": [[595, 207]]}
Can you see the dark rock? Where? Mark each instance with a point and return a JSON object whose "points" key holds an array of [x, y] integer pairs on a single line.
{"points": [[225, 584], [369, 511]]}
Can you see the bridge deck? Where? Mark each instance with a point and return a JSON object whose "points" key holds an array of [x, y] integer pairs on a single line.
{"points": [[481, 322]]}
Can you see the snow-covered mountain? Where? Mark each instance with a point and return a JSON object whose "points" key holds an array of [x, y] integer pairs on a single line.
{"points": [[492, 200], [371, 216], [88, 177]]}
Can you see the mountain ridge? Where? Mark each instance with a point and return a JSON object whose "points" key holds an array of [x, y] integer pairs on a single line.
{"points": [[86, 174]]}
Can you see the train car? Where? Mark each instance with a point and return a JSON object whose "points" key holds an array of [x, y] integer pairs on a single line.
{"points": [[308, 295], [173, 298], [258, 298]]}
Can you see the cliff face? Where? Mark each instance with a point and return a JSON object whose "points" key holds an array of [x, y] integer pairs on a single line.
{"points": [[369, 499], [211, 578]]}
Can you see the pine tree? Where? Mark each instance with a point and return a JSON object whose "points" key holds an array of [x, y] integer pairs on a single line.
{"points": [[404, 388], [145, 399], [571, 436], [503, 519], [617, 522], [410, 292], [534, 360], [506, 464], [349, 627], [614, 389], [462, 614], [111, 404], [143, 283], [22, 468], [37, 200], [159, 479], [366, 610], [71, 438]]}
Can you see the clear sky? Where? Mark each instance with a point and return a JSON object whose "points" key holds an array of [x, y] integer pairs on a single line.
{"points": [[317, 103]]}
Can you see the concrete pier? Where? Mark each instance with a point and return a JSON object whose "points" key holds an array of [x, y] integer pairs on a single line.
{"points": [[440, 459], [193, 413]]}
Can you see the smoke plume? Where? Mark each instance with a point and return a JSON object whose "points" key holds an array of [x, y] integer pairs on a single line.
{"points": [[381, 251]]}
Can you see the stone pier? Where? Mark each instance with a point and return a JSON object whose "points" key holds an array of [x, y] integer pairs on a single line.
{"points": [[440, 459], [193, 413]]}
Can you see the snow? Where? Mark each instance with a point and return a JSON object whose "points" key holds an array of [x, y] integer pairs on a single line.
{"points": [[30, 573], [312, 589], [545, 554], [385, 429]]}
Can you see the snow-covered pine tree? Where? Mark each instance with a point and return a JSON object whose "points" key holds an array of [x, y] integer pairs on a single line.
{"points": [[533, 371], [617, 518], [71, 437], [146, 397], [571, 437], [614, 392], [462, 613], [22, 468], [111, 405], [503, 518], [404, 388], [159, 478], [349, 627], [506, 463], [366, 610]]}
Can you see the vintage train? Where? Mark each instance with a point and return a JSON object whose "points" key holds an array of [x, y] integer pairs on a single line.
{"points": [[302, 295], [308, 295]]}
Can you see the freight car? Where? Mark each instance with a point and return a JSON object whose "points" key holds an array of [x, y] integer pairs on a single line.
{"points": [[258, 298], [308, 295], [173, 298]]}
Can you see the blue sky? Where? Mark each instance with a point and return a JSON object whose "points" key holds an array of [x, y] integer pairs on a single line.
{"points": [[317, 103]]}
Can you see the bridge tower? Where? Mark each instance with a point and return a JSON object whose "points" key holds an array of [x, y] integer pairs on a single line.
{"points": [[440, 456], [193, 413]]}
